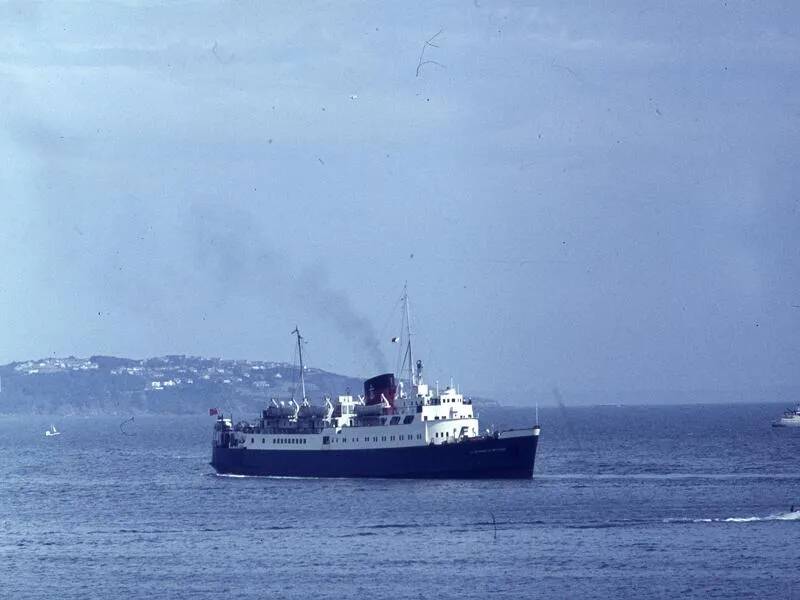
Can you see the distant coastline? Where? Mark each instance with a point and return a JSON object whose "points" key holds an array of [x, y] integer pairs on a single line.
{"points": [[174, 384], [184, 385]]}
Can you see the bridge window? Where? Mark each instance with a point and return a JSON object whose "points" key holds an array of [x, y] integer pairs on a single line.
{"points": [[408, 419], [394, 421]]}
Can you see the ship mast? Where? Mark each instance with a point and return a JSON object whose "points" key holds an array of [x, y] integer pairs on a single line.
{"points": [[411, 376], [300, 352]]}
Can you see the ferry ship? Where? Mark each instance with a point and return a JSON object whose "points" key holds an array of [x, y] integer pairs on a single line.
{"points": [[396, 429]]}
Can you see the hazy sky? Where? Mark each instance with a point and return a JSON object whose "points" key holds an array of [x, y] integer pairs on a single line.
{"points": [[589, 196]]}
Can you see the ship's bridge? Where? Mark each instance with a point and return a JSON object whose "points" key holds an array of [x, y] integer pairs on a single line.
{"points": [[449, 404]]}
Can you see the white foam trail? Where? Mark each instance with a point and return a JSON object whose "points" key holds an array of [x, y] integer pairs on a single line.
{"points": [[783, 516], [235, 476]]}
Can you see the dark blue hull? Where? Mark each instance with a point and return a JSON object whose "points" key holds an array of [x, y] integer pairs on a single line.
{"points": [[484, 458]]}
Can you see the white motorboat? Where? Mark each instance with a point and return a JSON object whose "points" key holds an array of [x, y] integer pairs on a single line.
{"points": [[791, 418]]}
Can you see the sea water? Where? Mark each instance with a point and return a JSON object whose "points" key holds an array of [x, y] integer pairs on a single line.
{"points": [[689, 501]]}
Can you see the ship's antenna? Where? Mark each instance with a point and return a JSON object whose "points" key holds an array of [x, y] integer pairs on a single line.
{"points": [[300, 352]]}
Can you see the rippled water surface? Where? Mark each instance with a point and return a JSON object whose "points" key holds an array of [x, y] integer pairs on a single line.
{"points": [[626, 502]]}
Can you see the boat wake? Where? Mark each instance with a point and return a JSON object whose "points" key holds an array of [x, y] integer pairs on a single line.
{"points": [[781, 516], [237, 476]]}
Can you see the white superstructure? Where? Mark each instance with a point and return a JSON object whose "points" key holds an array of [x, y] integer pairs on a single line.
{"points": [[416, 420]]}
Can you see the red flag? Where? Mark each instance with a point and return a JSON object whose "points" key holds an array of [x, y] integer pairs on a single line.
{"points": [[212, 412]]}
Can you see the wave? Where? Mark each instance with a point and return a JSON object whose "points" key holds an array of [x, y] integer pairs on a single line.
{"points": [[781, 516]]}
